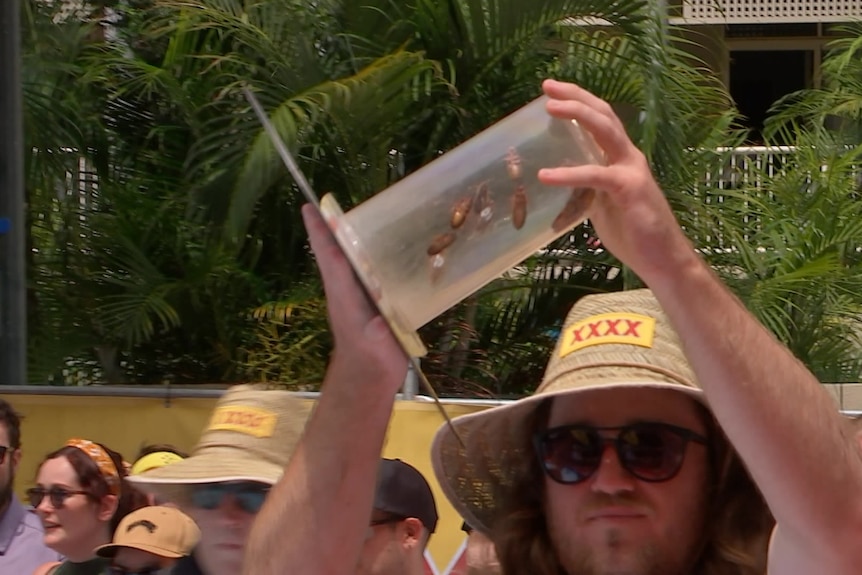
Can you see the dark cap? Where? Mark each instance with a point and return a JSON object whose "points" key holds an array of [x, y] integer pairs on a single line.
{"points": [[402, 491]]}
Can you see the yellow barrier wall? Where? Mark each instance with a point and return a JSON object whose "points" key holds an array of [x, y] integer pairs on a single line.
{"points": [[127, 423]]}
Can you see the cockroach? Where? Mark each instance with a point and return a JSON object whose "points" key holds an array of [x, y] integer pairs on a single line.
{"points": [[485, 217], [460, 209], [513, 164], [574, 210], [483, 205], [519, 207], [437, 261], [440, 243], [482, 198]]}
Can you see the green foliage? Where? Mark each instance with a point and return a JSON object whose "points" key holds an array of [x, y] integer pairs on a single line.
{"points": [[793, 256], [290, 343], [837, 105], [166, 238]]}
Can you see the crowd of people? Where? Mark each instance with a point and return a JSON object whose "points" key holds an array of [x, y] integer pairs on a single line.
{"points": [[671, 434], [91, 513], [84, 517]]}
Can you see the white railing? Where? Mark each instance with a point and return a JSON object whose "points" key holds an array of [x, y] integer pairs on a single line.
{"points": [[749, 165], [746, 167], [768, 11]]}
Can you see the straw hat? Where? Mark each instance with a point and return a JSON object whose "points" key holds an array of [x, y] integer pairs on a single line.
{"points": [[611, 340], [250, 437]]}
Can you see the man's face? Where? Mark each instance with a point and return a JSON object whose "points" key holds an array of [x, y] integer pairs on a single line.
{"points": [[8, 466], [391, 544], [613, 522], [129, 560], [224, 512]]}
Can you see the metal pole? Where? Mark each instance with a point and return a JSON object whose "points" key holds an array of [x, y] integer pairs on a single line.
{"points": [[411, 383], [13, 300]]}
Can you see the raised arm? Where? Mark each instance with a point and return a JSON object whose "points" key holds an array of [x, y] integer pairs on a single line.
{"points": [[782, 422], [315, 518]]}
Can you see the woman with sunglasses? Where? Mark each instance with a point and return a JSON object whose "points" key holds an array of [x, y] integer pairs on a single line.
{"points": [[80, 496]]}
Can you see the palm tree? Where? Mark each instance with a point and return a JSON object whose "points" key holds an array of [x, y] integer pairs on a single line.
{"points": [[837, 105], [793, 252], [194, 230]]}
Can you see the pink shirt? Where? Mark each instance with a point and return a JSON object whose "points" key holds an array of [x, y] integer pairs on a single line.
{"points": [[21, 546]]}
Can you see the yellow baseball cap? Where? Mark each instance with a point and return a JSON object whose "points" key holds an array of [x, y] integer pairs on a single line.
{"points": [[153, 461], [162, 531]]}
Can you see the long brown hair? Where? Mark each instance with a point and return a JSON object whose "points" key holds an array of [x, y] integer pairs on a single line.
{"points": [[738, 523]]}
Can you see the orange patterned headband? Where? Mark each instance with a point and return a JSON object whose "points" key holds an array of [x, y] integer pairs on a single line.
{"points": [[102, 460]]}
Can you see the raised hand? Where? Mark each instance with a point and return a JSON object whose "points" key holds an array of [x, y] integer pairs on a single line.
{"points": [[629, 212], [366, 352]]}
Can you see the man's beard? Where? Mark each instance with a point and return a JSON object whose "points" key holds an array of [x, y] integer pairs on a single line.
{"points": [[615, 559], [6, 492]]}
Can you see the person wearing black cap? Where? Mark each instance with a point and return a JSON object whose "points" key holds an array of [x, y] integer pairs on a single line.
{"points": [[402, 521]]}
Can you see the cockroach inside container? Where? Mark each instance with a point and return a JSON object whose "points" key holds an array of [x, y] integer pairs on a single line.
{"points": [[436, 262], [513, 164], [440, 243], [575, 208], [435, 253], [460, 211], [483, 205], [519, 207]]}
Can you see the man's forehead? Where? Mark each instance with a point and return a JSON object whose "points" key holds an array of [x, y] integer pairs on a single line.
{"points": [[625, 406]]}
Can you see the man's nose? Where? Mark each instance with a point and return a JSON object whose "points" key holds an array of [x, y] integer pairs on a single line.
{"points": [[611, 477], [230, 509]]}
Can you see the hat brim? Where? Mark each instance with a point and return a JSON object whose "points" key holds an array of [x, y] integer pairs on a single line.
{"points": [[473, 475], [173, 482], [111, 549]]}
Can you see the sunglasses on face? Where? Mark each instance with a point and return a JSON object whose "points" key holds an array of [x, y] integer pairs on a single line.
{"points": [[3, 451], [651, 452], [114, 570], [249, 496], [56, 495]]}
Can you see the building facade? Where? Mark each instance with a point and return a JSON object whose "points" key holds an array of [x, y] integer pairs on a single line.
{"points": [[763, 49]]}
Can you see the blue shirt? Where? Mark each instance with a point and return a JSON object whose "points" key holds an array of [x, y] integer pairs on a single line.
{"points": [[21, 546]]}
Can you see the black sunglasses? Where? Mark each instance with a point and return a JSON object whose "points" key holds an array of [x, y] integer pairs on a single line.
{"points": [[56, 495], [113, 570], [249, 496], [3, 451], [650, 451]]}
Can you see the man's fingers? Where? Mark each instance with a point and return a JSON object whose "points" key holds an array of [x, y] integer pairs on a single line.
{"points": [[344, 294], [600, 178], [568, 91], [607, 131], [318, 232]]}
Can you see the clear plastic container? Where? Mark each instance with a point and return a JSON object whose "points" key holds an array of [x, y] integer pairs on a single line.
{"points": [[437, 236]]}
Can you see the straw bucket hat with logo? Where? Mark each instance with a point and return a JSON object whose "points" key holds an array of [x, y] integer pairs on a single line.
{"points": [[250, 437], [614, 340]]}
